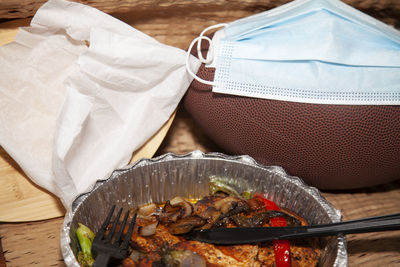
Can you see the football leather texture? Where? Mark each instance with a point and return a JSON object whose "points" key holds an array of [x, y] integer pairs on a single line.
{"points": [[328, 146]]}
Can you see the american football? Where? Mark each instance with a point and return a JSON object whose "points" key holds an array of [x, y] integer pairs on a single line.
{"points": [[328, 146]]}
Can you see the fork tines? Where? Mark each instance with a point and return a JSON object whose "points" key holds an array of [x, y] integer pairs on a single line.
{"points": [[107, 246]]}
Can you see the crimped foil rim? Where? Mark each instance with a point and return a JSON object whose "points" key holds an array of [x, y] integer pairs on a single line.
{"points": [[333, 213]]}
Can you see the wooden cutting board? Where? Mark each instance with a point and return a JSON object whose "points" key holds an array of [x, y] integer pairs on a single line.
{"points": [[22, 200]]}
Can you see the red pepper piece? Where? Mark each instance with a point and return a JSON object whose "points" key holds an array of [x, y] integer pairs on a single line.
{"points": [[281, 247]]}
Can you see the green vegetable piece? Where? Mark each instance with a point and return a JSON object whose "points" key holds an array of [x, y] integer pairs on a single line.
{"points": [[247, 194], [219, 185], [85, 260], [85, 237]]}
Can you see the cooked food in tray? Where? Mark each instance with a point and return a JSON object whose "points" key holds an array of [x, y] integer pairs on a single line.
{"points": [[159, 239]]}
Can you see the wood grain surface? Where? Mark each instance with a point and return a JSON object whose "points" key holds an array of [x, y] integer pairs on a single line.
{"points": [[37, 243], [2, 259], [27, 8]]}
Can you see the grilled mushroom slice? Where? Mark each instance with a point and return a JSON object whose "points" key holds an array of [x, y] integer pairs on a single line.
{"points": [[184, 225]]}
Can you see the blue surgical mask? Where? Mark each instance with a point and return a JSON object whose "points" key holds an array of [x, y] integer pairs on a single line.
{"points": [[313, 51]]}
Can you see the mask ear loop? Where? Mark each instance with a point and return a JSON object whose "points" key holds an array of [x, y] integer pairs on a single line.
{"points": [[211, 47], [188, 56], [201, 58]]}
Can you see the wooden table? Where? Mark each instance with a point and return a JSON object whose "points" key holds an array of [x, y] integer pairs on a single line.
{"points": [[37, 243]]}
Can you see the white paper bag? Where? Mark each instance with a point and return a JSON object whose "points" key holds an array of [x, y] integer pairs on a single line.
{"points": [[80, 91]]}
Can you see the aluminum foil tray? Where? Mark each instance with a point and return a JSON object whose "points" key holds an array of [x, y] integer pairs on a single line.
{"points": [[170, 175]]}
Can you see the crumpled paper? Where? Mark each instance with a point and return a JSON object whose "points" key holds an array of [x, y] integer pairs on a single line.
{"points": [[80, 91]]}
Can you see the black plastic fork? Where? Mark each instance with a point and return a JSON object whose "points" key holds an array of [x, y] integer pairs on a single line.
{"points": [[107, 246]]}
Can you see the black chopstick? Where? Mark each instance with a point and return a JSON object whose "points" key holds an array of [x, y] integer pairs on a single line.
{"points": [[243, 235]]}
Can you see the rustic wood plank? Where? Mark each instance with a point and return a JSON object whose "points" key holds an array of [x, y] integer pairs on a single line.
{"points": [[37, 243], [20, 199], [27, 8], [2, 259]]}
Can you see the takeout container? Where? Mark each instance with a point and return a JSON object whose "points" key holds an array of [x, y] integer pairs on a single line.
{"points": [[170, 175]]}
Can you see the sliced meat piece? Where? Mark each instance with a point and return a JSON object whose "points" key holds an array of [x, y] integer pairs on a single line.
{"points": [[243, 253], [161, 239], [266, 255], [150, 260], [215, 256], [304, 252], [128, 262]]}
